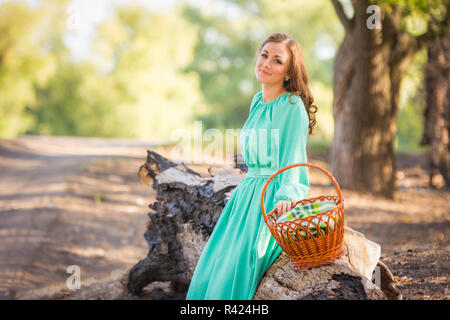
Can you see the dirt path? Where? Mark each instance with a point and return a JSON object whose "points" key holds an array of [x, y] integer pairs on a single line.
{"points": [[78, 201], [69, 201]]}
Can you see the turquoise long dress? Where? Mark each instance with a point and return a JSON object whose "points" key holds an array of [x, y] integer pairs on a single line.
{"points": [[241, 248]]}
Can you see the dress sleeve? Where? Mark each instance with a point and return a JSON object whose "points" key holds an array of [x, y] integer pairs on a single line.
{"points": [[292, 123], [254, 101]]}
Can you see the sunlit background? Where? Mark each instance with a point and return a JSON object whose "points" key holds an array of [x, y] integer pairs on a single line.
{"points": [[142, 69]]}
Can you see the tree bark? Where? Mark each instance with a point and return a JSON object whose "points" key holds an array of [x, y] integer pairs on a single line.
{"points": [[368, 70], [184, 215], [437, 112]]}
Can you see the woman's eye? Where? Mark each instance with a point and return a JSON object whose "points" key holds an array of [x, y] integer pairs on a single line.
{"points": [[265, 56]]}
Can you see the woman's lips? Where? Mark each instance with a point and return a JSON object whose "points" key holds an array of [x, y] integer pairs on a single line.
{"points": [[263, 72]]}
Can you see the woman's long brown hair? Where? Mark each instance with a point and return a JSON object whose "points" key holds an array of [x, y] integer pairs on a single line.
{"points": [[298, 77]]}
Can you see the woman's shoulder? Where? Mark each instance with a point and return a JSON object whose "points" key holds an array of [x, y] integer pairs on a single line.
{"points": [[290, 99], [256, 97], [292, 103], [293, 100], [292, 107], [284, 98]]}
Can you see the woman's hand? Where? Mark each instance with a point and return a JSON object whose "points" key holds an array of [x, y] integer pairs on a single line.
{"points": [[283, 206]]}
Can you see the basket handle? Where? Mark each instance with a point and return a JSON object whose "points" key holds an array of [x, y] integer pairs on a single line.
{"points": [[336, 185]]}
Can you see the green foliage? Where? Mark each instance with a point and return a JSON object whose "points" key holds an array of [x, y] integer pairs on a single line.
{"points": [[145, 54], [410, 128], [410, 123], [411, 6], [76, 102], [133, 86], [25, 61], [417, 15]]}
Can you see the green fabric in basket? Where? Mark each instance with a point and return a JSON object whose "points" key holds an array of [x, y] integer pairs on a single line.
{"points": [[302, 211]]}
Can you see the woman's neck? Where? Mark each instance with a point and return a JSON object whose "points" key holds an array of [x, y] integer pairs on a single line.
{"points": [[270, 93]]}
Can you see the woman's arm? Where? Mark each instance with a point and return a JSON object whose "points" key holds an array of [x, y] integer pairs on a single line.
{"points": [[292, 122]]}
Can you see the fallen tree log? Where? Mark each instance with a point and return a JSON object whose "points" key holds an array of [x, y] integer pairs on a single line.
{"points": [[186, 210]]}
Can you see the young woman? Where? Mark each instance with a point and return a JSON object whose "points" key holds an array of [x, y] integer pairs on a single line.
{"points": [[241, 248]]}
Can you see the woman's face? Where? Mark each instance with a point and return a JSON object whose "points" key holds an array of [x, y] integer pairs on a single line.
{"points": [[272, 64]]}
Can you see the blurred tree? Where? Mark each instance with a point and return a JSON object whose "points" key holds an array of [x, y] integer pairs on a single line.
{"points": [[78, 102], [144, 54], [75, 100], [437, 112], [133, 84], [368, 70], [28, 41]]}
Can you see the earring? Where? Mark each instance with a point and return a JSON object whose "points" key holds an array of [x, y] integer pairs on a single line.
{"points": [[286, 78]]}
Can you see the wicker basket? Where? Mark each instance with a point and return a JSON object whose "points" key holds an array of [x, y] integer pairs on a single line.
{"points": [[309, 250]]}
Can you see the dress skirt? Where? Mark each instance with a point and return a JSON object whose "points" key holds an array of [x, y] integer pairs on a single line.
{"points": [[240, 248]]}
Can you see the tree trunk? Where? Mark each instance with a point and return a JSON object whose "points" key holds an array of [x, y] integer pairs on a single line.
{"points": [[184, 215], [437, 112], [368, 69]]}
